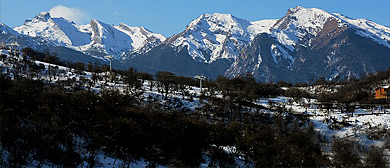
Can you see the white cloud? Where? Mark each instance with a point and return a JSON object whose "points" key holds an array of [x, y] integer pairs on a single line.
{"points": [[74, 14], [110, 2]]}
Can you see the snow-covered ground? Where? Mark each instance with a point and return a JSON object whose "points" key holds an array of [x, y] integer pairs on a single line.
{"points": [[366, 127]]}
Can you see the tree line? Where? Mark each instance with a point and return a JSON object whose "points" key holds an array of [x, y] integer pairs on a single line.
{"points": [[357, 90]]}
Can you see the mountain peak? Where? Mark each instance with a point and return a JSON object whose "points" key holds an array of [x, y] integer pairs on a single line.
{"points": [[45, 17], [95, 21], [301, 9], [300, 22], [215, 17], [218, 22], [297, 8], [293, 10], [42, 17], [220, 16]]}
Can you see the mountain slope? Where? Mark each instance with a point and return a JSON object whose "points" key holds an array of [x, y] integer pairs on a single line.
{"points": [[310, 43], [4, 29], [208, 46], [58, 30], [264, 58], [370, 29], [139, 35], [15, 40], [217, 36], [300, 24]]}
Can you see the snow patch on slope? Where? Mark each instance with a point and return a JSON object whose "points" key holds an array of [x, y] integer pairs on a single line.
{"points": [[287, 38], [278, 52], [369, 29], [138, 34], [76, 37], [259, 60], [110, 39], [261, 26]]}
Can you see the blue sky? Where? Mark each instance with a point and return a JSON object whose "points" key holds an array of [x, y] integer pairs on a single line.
{"points": [[171, 16]]}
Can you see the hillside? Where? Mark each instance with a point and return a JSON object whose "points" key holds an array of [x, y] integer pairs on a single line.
{"points": [[72, 114]]}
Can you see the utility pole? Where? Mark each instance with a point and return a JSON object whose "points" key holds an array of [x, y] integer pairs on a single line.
{"points": [[110, 58], [201, 78]]}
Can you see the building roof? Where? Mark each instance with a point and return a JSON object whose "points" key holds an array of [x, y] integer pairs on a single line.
{"points": [[384, 87]]}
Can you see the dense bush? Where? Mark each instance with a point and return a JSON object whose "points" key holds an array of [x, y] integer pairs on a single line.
{"points": [[345, 153], [42, 56], [49, 124]]}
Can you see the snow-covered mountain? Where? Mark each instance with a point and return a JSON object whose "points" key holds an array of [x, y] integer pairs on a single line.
{"points": [[300, 24], [305, 44], [58, 30], [218, 36], [15, 40], [308, 43], [208, 45], [96, 38]]}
